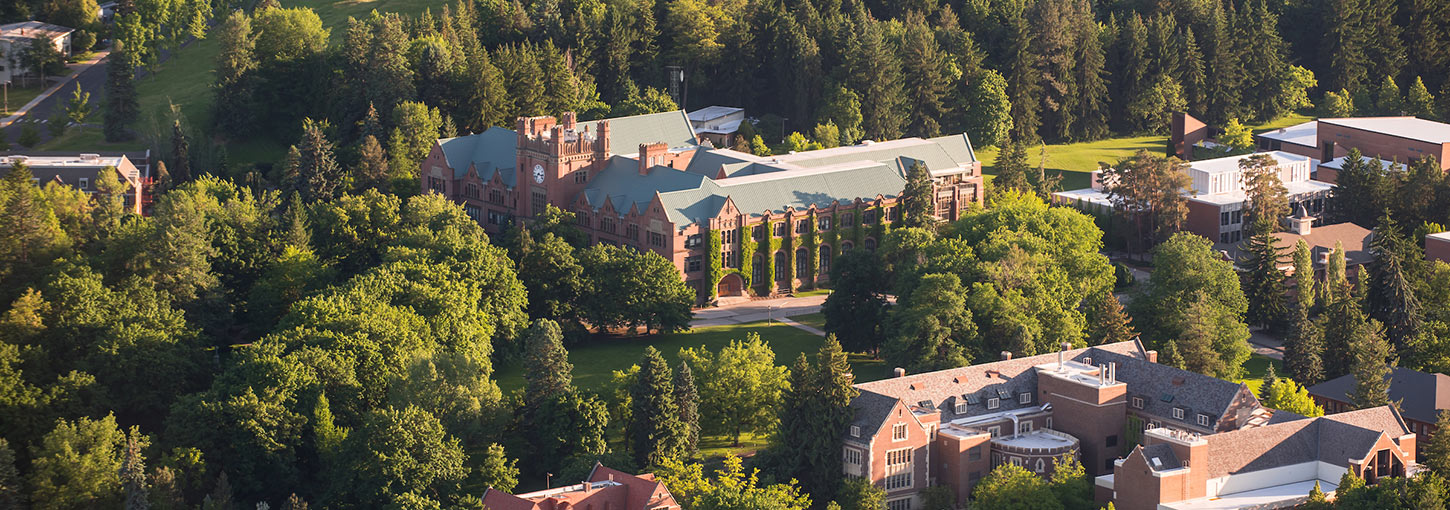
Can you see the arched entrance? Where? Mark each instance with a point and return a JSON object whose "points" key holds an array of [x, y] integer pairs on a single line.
{"points": [[731, 285]]}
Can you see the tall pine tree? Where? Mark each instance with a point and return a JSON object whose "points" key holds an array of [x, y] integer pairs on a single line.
{"points": [[122, 107], [654, 433], [1373, 363], [923, 62], [687, 397]]}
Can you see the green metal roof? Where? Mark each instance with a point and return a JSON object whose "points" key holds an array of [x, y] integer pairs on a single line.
{"points": [[627, 133], [493, 150]]}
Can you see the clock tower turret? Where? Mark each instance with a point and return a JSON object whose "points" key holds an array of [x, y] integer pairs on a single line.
{"points": [[556, 159]]}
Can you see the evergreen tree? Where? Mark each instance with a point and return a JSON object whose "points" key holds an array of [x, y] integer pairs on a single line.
{"points": [[1344, 45], [930, 328], [372, 165], [1012, 169], [546, 363], [1023, 80], [1192, 74], [1304, 283], [235, 64], [831, 414], [322, 179], [1054, 39], [856, 309], [180, 153], [1107, 323], [497, 471], [1304, 349], [1437, 448], [1263, 55], [1091, 108], [1387, 99], [1373, 363], [1391, 298], [11, 495], [1225, 71], [687, 397], [793, 449], [1419, 102], [876, 74], [133, 475], [654, 433], [122, 106], [1266, 384], [1172, 357], [916, 200], [1263, 282], [922, 60]]}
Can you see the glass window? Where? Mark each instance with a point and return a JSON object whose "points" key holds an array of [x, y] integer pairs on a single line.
{"points": [[993, 403], [898, 432], [825, 266], [1024, 398], [692, 264], [823, 223]]}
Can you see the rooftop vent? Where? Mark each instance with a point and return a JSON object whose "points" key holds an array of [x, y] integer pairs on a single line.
{"points": [[899, 372], [90, 158]]}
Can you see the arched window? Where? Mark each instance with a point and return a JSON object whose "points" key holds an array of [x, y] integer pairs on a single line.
{"points": [[780, 265], [870, 245], [825, 266], [846, 246], [1039, 465], [757, 268], [802, 264]]}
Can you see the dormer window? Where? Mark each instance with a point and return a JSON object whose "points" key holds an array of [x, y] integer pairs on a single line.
{"points": [[961, 407], [855, 431], [1178, 413], [993, 403], [1024, 398], [1137, 402], [1203, 420]]}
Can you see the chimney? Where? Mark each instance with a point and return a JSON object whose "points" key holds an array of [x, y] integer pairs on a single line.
{"points": [[1112, 373], [1152, 356], [899, 372], [1006, 355], [651, 154]]}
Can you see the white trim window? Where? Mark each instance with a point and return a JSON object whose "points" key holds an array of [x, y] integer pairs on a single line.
{"points": [[1178, 413], [899, 504], [961, 407], [851, 461], [1024, 427], [899, 469], [1024, 398], [855, 431], [1040, 466], [993, 403], [898, 432], [85, 183], [994, 431], [1137, 402], [1203, 419]]}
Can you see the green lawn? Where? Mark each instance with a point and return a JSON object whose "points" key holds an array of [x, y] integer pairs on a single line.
{"points": [[87, 139], [1254, 370], [17, 97], [816, 320], [815, 292], [186, 78], [1075, 161], [596, 360]]}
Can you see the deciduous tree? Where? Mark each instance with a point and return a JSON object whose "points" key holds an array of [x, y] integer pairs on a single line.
{"points": [[740, 386]]}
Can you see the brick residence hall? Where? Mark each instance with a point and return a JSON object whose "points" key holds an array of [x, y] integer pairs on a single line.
{"points": [[1178, 439], [650, 182]]}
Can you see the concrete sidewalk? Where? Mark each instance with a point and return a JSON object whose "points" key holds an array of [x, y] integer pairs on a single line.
{"points": [[1266, 345], [755, 311], [76, 70]]}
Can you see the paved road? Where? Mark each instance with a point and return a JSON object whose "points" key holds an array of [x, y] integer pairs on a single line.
{"points": [[92, 79], [753, 311]]}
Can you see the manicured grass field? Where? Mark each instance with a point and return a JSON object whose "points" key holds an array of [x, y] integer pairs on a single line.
{"points": [[1254, 370], [816, 320], [84, 139], [596, 360], [1075, 161], [18, 97]]}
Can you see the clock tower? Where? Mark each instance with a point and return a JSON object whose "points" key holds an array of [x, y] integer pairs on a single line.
{"points": [[556, 159]]}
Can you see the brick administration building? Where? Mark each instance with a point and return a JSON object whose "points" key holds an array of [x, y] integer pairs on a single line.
{"points": [[1099, 404], [646, 182]]}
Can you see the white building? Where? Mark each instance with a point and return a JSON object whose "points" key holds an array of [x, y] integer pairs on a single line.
{"points": [[15, 40]]}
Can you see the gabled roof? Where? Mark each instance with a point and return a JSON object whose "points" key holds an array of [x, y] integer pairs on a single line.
{"points": [[1195, 392], [626, 134], [1335, 439], [1421, 395], [621, 182], [494, 150]]}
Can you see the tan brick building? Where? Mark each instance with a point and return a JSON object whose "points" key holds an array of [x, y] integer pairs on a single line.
{"points": [[645, 182]]}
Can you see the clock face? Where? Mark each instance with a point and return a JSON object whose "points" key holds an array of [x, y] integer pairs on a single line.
{"points": [[538, 173]]}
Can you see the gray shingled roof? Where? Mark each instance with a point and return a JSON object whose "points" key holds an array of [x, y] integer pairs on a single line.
{"points": [[943, 388], [1421, 395], [490, 151], [627, 133], [1195, 393], [622, 184], [958, 146], [1164, 453], [1333, 439]]}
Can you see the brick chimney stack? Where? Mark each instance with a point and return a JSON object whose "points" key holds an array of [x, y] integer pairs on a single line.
{"points": [[1006, 355], [651, 154]]}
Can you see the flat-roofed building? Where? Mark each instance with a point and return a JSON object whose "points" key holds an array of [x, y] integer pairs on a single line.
{"points": [[1392, 139], [80, 171], [1301, 139]]}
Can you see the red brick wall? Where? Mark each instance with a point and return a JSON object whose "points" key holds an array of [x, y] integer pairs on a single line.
{"points": [[1091, 415], [1385, 146], [916, 439], [1437, 249], [1203, 220]]}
